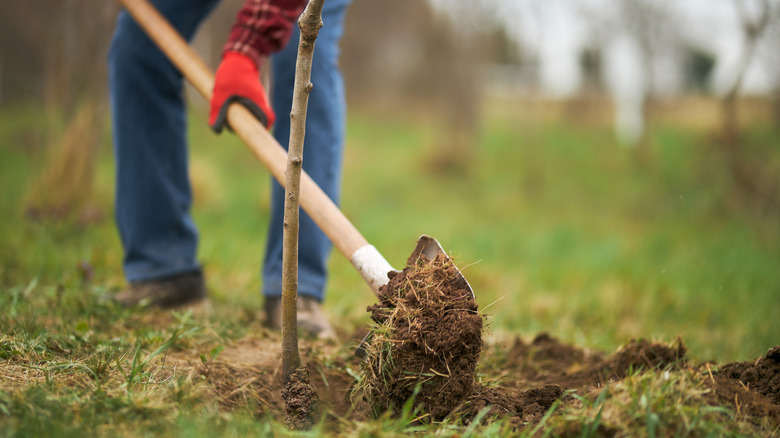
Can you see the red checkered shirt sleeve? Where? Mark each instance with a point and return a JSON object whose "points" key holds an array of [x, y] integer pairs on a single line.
{"points": [[263, 27]]}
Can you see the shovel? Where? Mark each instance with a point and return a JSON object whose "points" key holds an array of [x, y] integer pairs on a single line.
{"points": [[371, 265]]}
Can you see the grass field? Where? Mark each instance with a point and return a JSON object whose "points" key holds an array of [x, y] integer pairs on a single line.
{"points": [[557, 227]]}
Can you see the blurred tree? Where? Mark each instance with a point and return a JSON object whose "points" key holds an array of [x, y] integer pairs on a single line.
{"points": [[774, 56], [51, 57], [652, 25], [699, 65], [406, 56], [753, 27], [755, 186], [502, 48], [642, 34], [385, 51], [591, 65], [49, 54]]}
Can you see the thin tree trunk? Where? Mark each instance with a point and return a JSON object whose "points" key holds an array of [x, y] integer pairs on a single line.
{"points": [[310, 23], [745, 178], [730, 116]]}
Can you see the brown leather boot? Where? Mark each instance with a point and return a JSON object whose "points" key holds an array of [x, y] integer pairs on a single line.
{"points": [[164, 293], [311, 319]]}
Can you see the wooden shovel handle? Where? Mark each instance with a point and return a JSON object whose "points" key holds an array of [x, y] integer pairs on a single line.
{"points": [[314, 201]]}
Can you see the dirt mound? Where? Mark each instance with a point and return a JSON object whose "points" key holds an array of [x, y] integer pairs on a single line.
{"points": [[535, 375], [762, 375], [750, 388], [546, 361], [642, 355], [428, 339], [725, 391], [521, 407]]}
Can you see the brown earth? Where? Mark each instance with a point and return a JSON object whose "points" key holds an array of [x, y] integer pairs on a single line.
{"points": [[546, 360], [752, 387], [761, 375], [525, 378], [300, 400], [428, 340], [427, 343]]}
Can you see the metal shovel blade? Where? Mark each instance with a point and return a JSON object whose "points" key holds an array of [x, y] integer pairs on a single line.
{"points": [[430, 248]]}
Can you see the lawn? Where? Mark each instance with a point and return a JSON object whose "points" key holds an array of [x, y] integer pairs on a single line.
{"points": [[557, 227]]}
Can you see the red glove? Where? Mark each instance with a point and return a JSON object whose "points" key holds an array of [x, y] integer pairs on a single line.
{"points": [[238, 80]]}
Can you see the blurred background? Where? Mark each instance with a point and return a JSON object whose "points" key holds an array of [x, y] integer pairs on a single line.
{"points": [[606, 169], [624, 58]]}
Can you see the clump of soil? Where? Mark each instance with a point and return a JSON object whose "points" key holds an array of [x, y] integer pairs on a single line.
{"points": [[541, 371], [522, 407], [428, 336], [762, 375], [744, 400], [300, 400], [752, 387], [643, 355], [544, 360]]}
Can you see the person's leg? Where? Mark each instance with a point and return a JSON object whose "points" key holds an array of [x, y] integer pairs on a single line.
{"points": [[153, 194], [322, 154]]}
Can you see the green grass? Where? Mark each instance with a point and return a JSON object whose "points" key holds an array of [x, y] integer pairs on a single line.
{"points": [[557, 228], [652, 405]]}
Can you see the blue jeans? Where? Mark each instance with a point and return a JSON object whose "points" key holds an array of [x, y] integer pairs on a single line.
{"points": [[153, 194]]}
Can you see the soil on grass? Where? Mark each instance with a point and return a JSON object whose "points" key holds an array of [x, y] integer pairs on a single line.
{"points": [[533, 376], [526, 377], [300, 400], [546, 360], [427, 341], [426, 345], [761, 375], [247, 375], [752, 387]]}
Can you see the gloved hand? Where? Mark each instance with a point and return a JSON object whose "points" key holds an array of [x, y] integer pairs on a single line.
{"points": [[238, 80]]}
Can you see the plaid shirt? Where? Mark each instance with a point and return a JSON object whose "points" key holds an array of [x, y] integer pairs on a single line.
{"points": [[263, 27]]}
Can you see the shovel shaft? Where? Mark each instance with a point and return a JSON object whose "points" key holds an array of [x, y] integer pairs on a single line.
{"points": [[323, 211]]}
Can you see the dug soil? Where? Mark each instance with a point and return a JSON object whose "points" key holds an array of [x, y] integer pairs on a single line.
{"points": [[526, 377], [427, 341], [426, 346], [300, 400]]}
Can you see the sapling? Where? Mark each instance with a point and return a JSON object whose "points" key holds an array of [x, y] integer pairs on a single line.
{"points": [[298, 393]]}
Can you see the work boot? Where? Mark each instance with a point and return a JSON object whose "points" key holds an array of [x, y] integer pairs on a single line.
{"points": [[311, 319], [164, 293]]}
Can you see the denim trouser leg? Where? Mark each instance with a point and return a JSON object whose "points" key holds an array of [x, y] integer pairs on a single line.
{"points": [[153, 194], [322, 153]]}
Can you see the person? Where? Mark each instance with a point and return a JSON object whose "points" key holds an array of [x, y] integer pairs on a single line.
{"points": [[153, 194]]}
